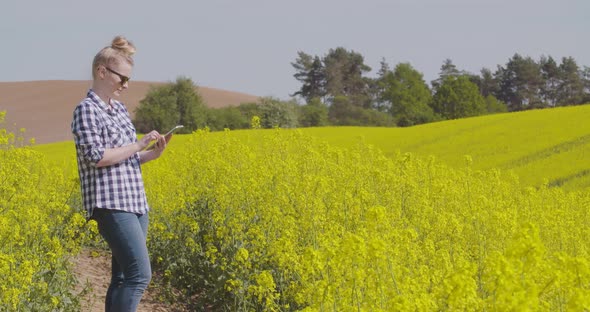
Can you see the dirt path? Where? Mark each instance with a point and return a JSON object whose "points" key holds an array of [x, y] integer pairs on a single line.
{"points": [[93, 268]]}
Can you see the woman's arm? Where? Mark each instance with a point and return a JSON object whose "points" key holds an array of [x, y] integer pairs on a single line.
{"points": [[116, 155]]}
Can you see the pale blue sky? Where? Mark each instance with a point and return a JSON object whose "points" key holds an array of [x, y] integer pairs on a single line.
{"points": [[248, 46]]}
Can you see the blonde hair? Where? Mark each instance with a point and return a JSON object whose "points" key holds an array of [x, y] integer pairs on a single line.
{"points": [[119, 50]]}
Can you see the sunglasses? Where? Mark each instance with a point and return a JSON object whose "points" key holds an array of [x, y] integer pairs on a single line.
{"points": [[124, 79]]}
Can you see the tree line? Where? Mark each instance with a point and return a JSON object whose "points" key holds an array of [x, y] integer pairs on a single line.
{"points": [[181, 103], [339, 80], [336, 90]]}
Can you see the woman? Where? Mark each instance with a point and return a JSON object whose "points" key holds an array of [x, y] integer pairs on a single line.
{"points": [[109, 158]]}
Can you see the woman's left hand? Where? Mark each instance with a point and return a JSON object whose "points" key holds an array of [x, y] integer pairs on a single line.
{"points": [[160, 145]]}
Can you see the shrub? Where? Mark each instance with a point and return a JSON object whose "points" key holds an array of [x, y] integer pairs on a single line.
{"points": [[169, 105]]}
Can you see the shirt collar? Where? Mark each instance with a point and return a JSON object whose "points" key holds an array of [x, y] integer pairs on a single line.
{"points": [[100, 103]]}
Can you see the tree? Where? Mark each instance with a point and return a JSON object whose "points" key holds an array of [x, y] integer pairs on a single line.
{"points": [[458, 97], [378, 87], [190, 104], [520, 83], [158, 110], [408, 96], [571, 90], [586, 81], [486, 83], [447, 69], [344, 75], [551, 80], [338, 73], [310, 72], [169, 105]]}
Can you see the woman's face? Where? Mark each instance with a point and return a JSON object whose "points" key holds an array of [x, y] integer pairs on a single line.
{"points": [[116, 77]]}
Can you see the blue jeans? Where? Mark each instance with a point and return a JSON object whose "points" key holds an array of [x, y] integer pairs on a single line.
{"points": [[126, 234]]}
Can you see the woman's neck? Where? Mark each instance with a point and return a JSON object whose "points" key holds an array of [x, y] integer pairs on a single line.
{"points": [[104, 95]]}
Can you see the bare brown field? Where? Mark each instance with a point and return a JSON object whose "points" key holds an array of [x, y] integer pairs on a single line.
{"points": [[44, 108]]}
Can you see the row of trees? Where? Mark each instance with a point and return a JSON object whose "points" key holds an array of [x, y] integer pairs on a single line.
{"points": [[522, 83], [337, 91]]}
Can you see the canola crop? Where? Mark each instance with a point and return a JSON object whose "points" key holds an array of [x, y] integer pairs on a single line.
{"points": [[39, 231], [537, 145], [278, 220], [274, 220]]}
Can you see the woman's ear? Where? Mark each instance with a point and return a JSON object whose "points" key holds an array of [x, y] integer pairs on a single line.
{"points": [[100, 71]]}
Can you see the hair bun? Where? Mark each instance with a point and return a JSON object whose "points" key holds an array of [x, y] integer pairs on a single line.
{"points": [[121, 44]]}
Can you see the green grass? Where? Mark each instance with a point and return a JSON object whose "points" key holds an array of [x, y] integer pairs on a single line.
{"points": [[550, 145]]}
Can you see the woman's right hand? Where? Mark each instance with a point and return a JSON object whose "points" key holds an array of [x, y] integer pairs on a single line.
{"points": [[146, 139]]}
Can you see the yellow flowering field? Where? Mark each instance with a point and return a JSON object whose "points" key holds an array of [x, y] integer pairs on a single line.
{"points": [[486, 213], [277, 221], [538, 145], [39, 231]]}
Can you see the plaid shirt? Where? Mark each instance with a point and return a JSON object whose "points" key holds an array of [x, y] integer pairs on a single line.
{"points": [[96, 127]]}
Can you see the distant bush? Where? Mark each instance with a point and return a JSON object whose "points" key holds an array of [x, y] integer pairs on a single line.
{"points": [[314, 114], [343, 112], [169, 105], [493, 105], [276, 113], [227, 117], [457, 97], [289, 114], [271, 111]]}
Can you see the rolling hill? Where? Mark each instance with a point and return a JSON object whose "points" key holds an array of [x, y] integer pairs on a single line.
{"points": [[551, 145]]}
